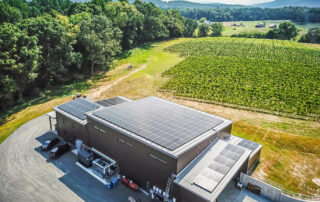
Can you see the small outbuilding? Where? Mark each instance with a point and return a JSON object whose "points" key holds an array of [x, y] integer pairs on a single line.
{"points": [[272, 26], [260, 25]]}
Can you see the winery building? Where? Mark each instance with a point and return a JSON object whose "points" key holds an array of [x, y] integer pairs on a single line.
{"points": [[153, 139]]}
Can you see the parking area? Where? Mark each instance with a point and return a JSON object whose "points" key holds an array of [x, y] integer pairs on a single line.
{"points": [[28, 174]]}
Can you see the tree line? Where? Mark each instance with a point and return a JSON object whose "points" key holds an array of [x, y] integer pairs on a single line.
{"points": [[296, 14], [45, 43]]}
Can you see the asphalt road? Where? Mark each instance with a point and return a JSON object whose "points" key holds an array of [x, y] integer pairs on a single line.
{"points": [[27, 174]]}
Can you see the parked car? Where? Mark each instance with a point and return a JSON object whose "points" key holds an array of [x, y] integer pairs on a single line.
{"points": [[58, 151], [49, 144]]}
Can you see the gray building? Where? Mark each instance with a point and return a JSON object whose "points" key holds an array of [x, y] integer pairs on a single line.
{"points": [[152, 138]]}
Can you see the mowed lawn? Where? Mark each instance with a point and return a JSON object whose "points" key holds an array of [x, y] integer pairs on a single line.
{"points": [[291, 147]]}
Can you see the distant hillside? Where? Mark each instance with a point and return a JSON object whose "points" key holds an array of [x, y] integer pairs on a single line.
{"points": [[181, 4], [287, 3]]}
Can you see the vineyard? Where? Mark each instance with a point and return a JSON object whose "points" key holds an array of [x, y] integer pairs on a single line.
{"points": [[265, 74]]}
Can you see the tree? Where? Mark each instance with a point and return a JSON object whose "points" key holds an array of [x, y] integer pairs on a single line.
{"points": [[203, 30], [128, 19], [216, 29], [287, 30], [79, 17], [99, 42], [9, 14], [313, 36], [76, 8], [19, 62], [202, 20], [174, 23], [190, 26], [56, 36], [153, 25]]}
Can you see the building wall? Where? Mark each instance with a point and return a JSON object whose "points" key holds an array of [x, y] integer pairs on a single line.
{"points": [[69, 129], [186, 158], [254, 159], [132, 156], [184, 195], [226, 132]]}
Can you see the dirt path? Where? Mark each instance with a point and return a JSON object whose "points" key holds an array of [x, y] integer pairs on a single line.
{"points": [[97, 92]]}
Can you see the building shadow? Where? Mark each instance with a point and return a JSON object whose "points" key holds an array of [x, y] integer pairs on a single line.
{"points": [[82, 183]]}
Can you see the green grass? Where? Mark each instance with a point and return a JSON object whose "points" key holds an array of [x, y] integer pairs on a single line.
{"points": [[249, 26], [288, 144]]}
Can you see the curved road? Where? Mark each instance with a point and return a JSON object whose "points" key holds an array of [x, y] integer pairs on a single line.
{"points": [[26, 174]]}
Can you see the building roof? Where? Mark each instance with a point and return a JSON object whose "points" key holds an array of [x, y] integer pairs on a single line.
{"points": [[113, 101], [167, 126], [76, 109], [208, 174]]}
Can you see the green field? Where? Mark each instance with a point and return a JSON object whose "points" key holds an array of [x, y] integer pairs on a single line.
{"points": [[271, 75], [249, 26]]}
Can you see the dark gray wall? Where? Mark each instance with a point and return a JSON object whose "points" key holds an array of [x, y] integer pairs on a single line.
{"points": [[134, 161], [254, 159], [70, 129], [188, 156], [184, 195]]}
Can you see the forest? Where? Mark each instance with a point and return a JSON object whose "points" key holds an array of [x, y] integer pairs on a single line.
{"points": [[46, 43], [296, 14]]}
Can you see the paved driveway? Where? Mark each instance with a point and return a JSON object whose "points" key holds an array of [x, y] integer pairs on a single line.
{"points": [[27, 174]]}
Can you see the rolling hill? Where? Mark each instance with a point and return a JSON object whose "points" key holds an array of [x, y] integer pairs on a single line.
{"points": [[180, 4], [287, 3]]}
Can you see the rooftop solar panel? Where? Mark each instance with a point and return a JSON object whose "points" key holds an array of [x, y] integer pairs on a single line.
{"points": [[211, 175], [78, 108], [112, 101], [162, 122], [248, 144]]}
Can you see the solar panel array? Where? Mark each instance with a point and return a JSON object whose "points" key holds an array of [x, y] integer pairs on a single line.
{"points": [[162, 122], [211, 175], [111, 101], [248, 144], [78, 107]]}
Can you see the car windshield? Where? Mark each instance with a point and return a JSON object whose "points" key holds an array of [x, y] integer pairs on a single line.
{"points": [[54, 149]]}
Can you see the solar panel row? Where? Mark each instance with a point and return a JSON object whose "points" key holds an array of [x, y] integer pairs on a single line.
{"points": [[211, 175], [248, 144], [78, 108], [162, 122], [111, 101]]}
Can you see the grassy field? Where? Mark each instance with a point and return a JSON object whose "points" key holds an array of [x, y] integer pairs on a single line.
{"points": [[290, 155], [249, 26]]}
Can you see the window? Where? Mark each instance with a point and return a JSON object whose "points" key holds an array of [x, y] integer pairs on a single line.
{"points": [[157, 158], [125, 142], [129, 144], [122, 140], [96, 127], [153, 156], [162, 161]]}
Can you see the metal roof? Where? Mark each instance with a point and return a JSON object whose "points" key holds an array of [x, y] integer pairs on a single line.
{"points": [[162, 122], [113, 101], [212, 170], [76, 109], [162, 107]]}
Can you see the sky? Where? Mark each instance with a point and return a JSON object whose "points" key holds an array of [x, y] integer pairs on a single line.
{"points": [[242, 2]]}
